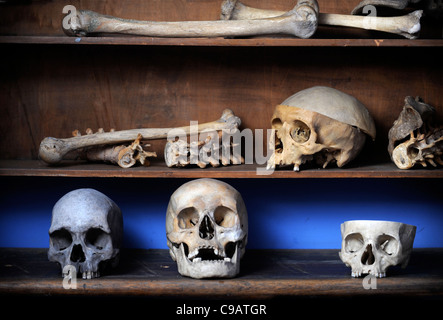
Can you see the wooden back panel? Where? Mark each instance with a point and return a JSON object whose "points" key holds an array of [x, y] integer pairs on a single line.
{"points": [[50, 90]]}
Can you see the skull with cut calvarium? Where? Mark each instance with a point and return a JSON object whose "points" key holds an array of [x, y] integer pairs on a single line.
{"points": [[86, 232], [319, 123], [207, 229], [371, 247]]}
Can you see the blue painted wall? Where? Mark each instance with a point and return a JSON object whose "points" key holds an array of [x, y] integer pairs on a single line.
{"points": [[283, 213]]}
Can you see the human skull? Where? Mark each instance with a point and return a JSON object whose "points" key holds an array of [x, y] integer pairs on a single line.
{"points": [[371, 247], [86, 232], [207, 229], [321, 123]]}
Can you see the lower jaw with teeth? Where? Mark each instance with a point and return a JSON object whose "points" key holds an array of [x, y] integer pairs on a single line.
{"points": [[200, 268]]}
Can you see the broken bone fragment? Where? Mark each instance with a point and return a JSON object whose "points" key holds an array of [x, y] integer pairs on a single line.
{"points": [[413, 138], [207, 229], [319, 123], [371, 247]]}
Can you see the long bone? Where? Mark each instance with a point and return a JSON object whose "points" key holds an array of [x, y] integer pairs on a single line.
{"points": [[52, 150], [407, 25], [301, 22]]}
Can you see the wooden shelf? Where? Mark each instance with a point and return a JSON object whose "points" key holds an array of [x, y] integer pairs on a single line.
{"points": [[222, 42], [127, 82], [158, 169], [264, 274]]}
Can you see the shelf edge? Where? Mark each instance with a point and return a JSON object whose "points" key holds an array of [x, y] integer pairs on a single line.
{"points": [[237, 288], [35, 168], [221, 42]]}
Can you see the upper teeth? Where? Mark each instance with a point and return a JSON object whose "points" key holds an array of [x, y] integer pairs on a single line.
{"points": [[194, 253]]}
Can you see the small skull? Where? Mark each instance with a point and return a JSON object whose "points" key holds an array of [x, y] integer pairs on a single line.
{"points": [[207, 229], [319, 123], [371, 247], [86, 232]]}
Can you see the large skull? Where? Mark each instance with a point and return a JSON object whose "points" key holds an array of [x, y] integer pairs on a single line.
{"points": [[371, 247], [86, 230], [207, 229], [321, 123]]}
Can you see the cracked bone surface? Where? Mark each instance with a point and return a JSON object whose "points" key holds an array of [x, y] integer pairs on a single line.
{"points": [[319, 123], [52, 150], [301, 22], [207, 229], [86, 232], [371, 247], [413, 138], [406, 25]]}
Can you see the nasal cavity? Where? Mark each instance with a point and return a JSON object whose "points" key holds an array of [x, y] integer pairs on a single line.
{"points": [[367, 257], [77, 254], [206, 229]]}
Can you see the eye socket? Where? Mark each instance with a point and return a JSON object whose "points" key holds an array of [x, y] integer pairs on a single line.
{"points": [[97, 239], [300, 131], [188, 218], [61, 239], [354, 242], [387, 244], [225, 217]]}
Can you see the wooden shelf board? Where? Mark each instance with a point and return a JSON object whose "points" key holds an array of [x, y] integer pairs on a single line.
{"points": [[159, 170], [250, 42], [264, 274]]}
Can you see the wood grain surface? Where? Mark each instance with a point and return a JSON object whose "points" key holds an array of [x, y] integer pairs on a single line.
{"points": [[263, 274], [50, 86]]}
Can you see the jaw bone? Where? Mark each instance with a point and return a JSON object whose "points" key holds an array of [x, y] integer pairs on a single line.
{"points": [[207, 262]]}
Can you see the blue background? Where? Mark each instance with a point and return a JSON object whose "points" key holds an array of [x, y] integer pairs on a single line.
{"points": [[283, 213]]}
